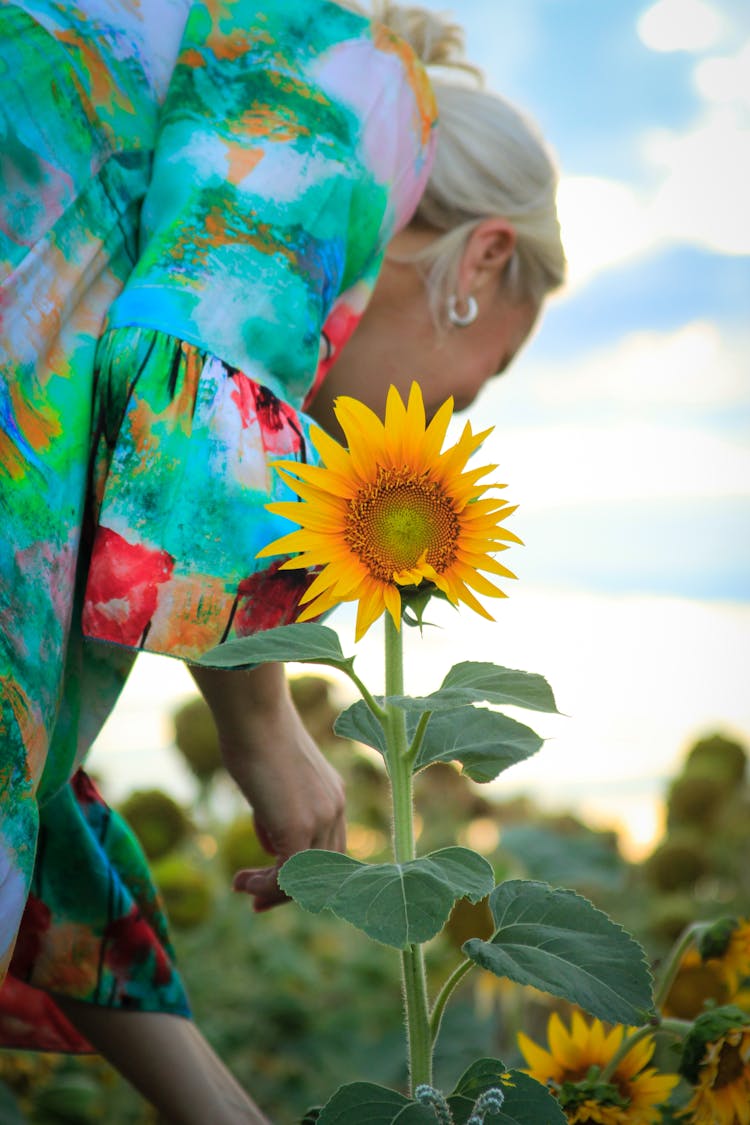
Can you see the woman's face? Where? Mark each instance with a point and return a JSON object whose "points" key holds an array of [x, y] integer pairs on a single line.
{"points": [[397, 341]]}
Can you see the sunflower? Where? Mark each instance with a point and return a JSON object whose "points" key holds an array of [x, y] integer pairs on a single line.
{"points": [[722, 1090], [731, 951], [392, 511], [571, 1067], [698, 982]]}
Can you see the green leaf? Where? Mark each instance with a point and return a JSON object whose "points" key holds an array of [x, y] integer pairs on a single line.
{"points": [[527, 1102], [482, 1075], [306, 642], [415, 1114], [565, 860], [473, 682], [362, 1103], [485, 742], [557, 941], [359, 724], [479, 682], [396, 904]]}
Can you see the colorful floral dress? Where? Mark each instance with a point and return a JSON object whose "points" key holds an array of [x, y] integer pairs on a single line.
{"points": [[192, 197]]}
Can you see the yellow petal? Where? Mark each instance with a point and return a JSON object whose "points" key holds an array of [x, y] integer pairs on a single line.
{"points": [[371, 605], [542, 1066]]}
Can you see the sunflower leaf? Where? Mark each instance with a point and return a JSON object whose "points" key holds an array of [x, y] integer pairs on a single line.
{"points": [[396, 904], [362, 1103], [527, 1102], [482, 1075], [484, 742], [558, 942], [360, 725], [480, 682], [305, 642], [477, 682]]}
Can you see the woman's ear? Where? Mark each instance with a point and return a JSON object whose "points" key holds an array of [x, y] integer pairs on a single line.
{"points": [[488, 250]]}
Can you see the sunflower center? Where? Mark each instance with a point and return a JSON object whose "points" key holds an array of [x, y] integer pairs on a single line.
{"points": [[399, 518], [730, 1066]]}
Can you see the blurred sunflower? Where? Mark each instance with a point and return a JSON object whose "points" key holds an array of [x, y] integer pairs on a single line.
{"points": [[735, 958], [697, 984], [572, 1066], [392, 511], [722, 1083]]}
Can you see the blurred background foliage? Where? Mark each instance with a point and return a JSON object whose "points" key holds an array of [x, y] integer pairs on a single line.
{"points": [[297, 1004]]}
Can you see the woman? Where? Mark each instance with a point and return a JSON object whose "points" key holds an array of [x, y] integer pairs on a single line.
{"points": [[215, 218]]}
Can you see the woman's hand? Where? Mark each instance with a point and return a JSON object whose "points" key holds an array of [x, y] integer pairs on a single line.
{"points": [[296, 796]]}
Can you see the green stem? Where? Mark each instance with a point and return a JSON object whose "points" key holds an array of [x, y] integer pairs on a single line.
{"points": [[416, 741], [399, 769], [627, 1044], [369, 699], [671, 966], [444, 996], [678, 1028]]}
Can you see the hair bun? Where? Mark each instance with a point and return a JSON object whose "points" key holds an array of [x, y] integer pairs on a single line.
{"points": [[434, 39]]}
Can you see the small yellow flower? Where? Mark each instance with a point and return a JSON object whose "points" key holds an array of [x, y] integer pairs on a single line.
{"points": [[392, 511], [722, 1090], [638, 1091]]}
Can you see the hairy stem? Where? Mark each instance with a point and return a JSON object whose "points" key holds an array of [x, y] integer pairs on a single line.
{"points": [[399, 768]]}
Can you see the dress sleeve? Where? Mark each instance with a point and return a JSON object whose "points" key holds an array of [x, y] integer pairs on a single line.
{"points": [[294, 142], [296, 137]]}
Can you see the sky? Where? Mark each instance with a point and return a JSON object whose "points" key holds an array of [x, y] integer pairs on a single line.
{"points": [[622, 428]]}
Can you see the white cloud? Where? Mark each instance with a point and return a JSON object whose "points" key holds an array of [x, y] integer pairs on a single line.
{"points": [[696, 366], [725, 78], [698, 198], [604, 223], [702, 197], [680, 25], [559, 465]]}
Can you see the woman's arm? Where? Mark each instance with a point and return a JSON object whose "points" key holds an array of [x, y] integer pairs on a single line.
{"points": [[296, 796]]}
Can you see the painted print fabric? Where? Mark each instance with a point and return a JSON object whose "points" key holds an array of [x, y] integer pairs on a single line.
{"points": [[192, 196]]}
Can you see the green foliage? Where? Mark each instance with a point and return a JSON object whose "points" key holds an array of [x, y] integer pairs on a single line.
{"points": [[365, 1103], [717, 757], [477, 682], [584, 859], [186, 891], [484, 742], [695, 802], [708, 1028], [558, 942], [526, 1102], [396, 904], [677, 863], [312, 644], [10, 1111], [70, 1099], [197, 739], [240, 847], [157, 820]]}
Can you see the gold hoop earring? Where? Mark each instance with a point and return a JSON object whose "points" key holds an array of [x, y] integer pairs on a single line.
{"points": [[462, 319]]}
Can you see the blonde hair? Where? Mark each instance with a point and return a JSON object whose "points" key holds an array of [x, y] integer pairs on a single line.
{"points": [[491, 160]]}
